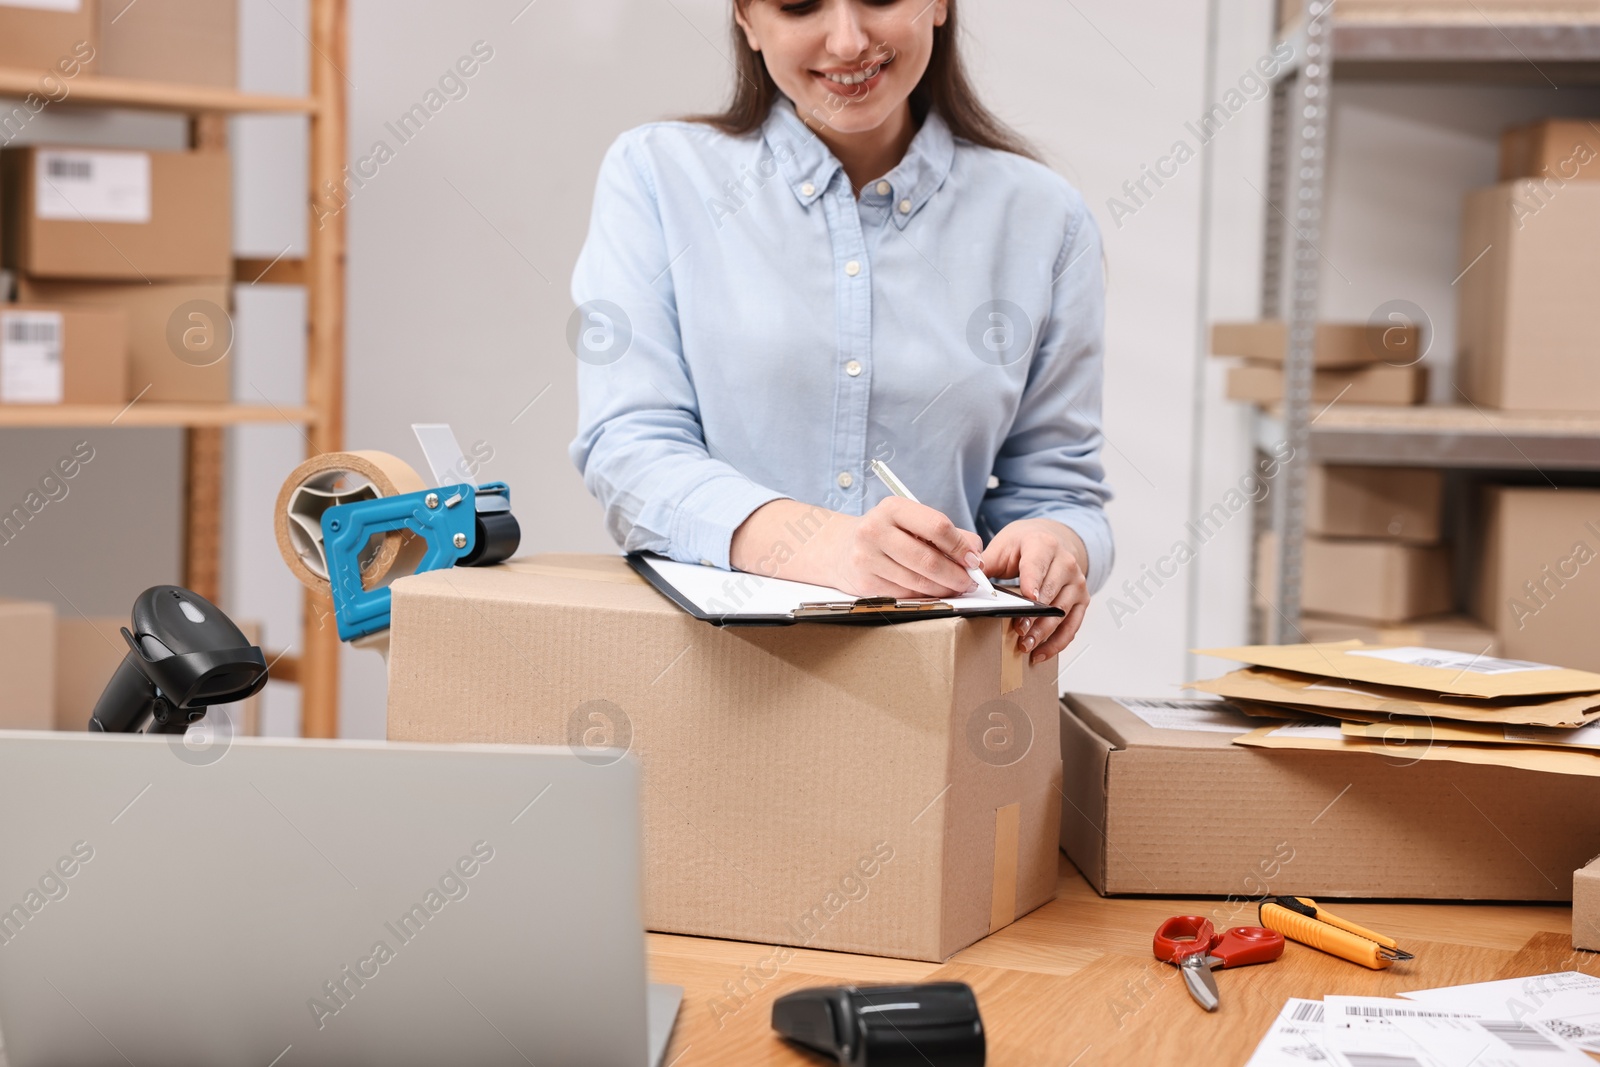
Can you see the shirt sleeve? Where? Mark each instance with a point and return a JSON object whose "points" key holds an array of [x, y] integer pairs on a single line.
{"points": [[640, 445], [1049, 466]]}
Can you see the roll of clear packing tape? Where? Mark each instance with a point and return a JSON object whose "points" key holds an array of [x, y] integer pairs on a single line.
{"points": [[336, 478]]}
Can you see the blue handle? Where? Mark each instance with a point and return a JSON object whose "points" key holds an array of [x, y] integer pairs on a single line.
{"points": [[346, 529]]}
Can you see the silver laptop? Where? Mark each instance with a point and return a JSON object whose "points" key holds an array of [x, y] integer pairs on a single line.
{"points": [[291, 903]]}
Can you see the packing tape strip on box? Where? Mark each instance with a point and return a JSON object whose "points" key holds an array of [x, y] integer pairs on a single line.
{"points": [[336, 478]]}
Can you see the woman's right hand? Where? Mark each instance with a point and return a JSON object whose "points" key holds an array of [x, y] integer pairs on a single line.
{"points": [[902, 549]]}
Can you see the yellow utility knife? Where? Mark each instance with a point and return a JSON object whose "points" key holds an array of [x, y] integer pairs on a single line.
{"points": [[1299, 919]]}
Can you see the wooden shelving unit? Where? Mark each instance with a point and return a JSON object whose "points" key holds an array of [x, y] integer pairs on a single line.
{"points": [[314, 664]]}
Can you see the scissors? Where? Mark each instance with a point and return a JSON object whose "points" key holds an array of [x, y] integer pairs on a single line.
{"points": [[1195, 947]]}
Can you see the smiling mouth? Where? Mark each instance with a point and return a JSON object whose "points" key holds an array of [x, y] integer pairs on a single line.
{"points": [[857, 78]]}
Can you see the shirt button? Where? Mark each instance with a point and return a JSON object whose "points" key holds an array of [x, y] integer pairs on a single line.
{"points": [[807, 189], [852, 268], [853, 368], [905, 207], [845, 480], [884, 188]]}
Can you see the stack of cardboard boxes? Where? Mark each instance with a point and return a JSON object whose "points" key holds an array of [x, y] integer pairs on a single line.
{"points": [[122, 259], [1355, 364]]}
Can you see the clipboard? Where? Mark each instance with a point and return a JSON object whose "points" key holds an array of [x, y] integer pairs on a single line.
{"points": [[737, 598]]}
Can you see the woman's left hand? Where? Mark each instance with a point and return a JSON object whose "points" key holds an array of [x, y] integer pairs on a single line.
{"points": [[1051, 561]]}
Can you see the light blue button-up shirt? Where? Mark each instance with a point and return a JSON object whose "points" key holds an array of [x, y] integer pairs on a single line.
{"points": [[749, 330]]}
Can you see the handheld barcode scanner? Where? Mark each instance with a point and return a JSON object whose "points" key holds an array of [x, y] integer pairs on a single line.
{"points": [[184, 656], [935, 1024]]}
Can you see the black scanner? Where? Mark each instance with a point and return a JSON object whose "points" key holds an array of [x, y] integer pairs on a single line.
{"points": [[184, 655], [931, 1025]]}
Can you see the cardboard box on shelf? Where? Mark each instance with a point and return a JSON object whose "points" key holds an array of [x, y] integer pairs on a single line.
{"points": [[1320, 824], [1370, 581], [1402, 503], [890, 790], [1458, 633], [87, 653], [1378, 384], [27, 660], [59, 354], [1586, 906], [1539, 579], [180, 334], [1526, 341], [115, 214], [192, 42], [1337, 344], [55, 38], [1563, 149], [1450, 12]]}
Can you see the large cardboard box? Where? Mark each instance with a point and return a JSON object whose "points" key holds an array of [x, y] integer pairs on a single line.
{"points": [[1563, 149], [116, 214], [1337, 344], [1526, 328], [180, 334], [193, 42], [890, 790], [1458, 633], [27, 663], [1173, 812], [1365, 580], [1403, 503], [58, 354], [35, 37], [1539, 576], [1380, 383], [88, 652]]}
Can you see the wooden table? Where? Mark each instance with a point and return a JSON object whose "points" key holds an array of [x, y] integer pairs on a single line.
{"points": [[1074, 983]]}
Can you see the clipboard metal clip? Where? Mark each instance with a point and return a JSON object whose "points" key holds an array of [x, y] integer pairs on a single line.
{"points": [[868, 605]]}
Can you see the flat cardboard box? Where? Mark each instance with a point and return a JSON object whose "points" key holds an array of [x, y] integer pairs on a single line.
{"points": [[90, 346], [177, 357], [117, 214], [1526, 323], [1586, 906], [1337, 344], [1563, 149], [1188, 813], [1401, 503], [35, 40], [1458, 633], [87, 653], [890, 790], [192, 42], [1380, 383], [1538, 578], [1382, 582], [27, 663]]}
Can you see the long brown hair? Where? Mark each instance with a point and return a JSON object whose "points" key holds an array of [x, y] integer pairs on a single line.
{"points": [[944, 88]]}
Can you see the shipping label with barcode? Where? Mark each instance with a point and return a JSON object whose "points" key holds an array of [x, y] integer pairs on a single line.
{"points": [[1452, 661], [79, 186], [1209, 716], [30, 357]]}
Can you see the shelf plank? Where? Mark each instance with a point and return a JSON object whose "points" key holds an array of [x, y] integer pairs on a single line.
{"points": [[89, 91], [1530, 51], [1461, 436], [144, 415]]}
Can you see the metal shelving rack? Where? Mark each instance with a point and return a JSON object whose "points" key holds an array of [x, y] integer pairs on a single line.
{"points": [[1328, 48], [322, 272]]}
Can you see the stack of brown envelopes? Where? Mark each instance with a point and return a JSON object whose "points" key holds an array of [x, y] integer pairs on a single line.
{"points": [[1416, 704]]}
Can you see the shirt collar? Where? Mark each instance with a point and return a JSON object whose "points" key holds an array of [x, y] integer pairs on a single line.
{"points": [[810, 167]]}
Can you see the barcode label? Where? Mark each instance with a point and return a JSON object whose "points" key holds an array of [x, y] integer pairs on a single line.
{"points": [[1453, 661], [1383, 1013], [82, 186], [30, 357], [1309, 1012], [1380, 1059], [1519, 1035]]}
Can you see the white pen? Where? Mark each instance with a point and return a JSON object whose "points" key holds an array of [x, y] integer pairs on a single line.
{"points": [[898, 488]]}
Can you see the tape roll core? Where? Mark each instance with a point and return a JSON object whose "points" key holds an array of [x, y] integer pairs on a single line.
{"points": [[336, 478]]}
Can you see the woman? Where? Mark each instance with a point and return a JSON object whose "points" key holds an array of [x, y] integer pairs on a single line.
{"points": [[855, 261]]}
